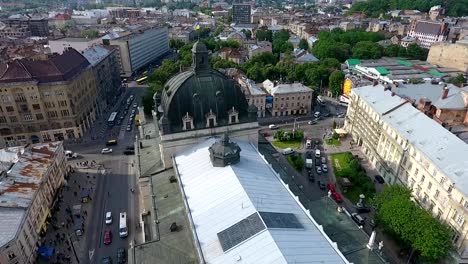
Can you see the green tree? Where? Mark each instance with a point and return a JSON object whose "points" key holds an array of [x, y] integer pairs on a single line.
{"points": [[336, 81], [459, 80], [367, 50], [392, 50], [247, 33], [176, 43], [263, 35], [218, 30], [411, 224], [415, 52], [219, 63], [303, 44], [90, 34]]}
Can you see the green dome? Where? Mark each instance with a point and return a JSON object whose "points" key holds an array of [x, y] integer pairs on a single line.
{"points": [[199, 92]]}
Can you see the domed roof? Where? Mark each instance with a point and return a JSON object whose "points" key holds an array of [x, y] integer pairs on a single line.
{"points": [[201, 92]]}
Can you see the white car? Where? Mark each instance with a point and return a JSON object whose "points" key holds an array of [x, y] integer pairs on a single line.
{"points": [[135, 105], [108, 218], [106, 150]]}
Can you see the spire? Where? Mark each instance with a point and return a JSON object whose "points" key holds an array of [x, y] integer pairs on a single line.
{"points": [[200, 56]]}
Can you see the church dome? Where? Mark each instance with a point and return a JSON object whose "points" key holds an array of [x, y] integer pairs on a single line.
{"points": [[202, 97]]}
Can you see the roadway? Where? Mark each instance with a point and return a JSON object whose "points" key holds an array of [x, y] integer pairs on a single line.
{"points": [[112, 189]]}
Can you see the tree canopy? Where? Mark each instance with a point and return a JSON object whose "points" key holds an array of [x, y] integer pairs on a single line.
{"points": [[409, 223], [336, 81], [303, 44]]}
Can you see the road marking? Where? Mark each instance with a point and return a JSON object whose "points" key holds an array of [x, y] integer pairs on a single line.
{"points": [[91, 254]]}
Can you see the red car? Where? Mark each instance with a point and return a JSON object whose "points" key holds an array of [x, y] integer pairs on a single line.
{"points": [[107, 237], [337, 197], [331, 187]]}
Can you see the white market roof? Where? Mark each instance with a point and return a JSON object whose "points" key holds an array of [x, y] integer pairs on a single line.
{"points": [[245, 212], [290, 88], [445, 150]]}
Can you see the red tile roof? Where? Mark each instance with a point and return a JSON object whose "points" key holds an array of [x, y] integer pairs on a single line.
{"points": [[56, 68]]}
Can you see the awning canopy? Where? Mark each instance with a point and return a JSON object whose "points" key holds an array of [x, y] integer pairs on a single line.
{"points": [[340, 131]]}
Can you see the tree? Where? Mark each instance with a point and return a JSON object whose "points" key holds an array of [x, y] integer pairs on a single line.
{"points": [[90, 34], [303, 44], [218, 30], [415, 52], [458, 80], [176, 43], [264, 35], [409, 223], [367, 50], [247, 33], [335, 82]]}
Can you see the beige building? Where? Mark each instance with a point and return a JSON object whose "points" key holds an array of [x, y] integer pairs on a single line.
{"points": [[409, 148], [26, 195], [289, 98], [49, 100], [254, 94], [450, 55]]}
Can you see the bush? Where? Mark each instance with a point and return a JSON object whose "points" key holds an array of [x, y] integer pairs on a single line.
{"points": [[296, 161]]}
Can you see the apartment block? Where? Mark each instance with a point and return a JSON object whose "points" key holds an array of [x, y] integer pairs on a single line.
{"points": [[407, 147], [137, 49], [289, 98], [46, 100], [428, 32], [30, 177], [39, 27], [241, 13]]}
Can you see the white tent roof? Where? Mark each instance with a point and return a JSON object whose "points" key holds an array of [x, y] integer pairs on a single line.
{"points": [[221, 198]]}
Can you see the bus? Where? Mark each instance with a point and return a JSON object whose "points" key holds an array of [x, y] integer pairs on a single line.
{"points": [[112, 119], [137, 120], [142, 80], [123, 230]]}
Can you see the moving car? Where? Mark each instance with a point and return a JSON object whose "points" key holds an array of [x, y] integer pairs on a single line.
{"points": [[107, 237], [106, 260], [106, 150], [111, 142], [331, 187], [108, 218], [337, 197], [135, 105], [324, 160], [379, 179], [317, 153], [288, 151], [316, 114], [273, 127], [121, 256], [318, 170], [129, 128], [324, 168], [321, 185], [312, 122], [358, 219], [340, 115]]}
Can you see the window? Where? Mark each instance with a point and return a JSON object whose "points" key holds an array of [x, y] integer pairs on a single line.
{"points": [[13, 119], [49, 104], [423, 178], [465, 205], [36, 106], [459, 219], [52, 114], [65, 113], [11, 255], [10, 109], [410, 166], [416, 172], [442, 180], [439, 214], [28, 117], [39, 116], [449, 190], [429, 186], [436, 194], [2, 120]]}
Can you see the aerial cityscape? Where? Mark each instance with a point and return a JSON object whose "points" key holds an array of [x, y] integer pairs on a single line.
{"points": [[254, 132]]}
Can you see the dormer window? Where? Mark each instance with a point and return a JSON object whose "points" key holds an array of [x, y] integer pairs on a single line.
{"points": [[211, 119], [187, 122], [233, 116]]}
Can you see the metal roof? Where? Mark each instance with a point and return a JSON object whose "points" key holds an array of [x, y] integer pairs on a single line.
{"points": [[223, 198], [438, 145], [290, 88], [95, 55]]}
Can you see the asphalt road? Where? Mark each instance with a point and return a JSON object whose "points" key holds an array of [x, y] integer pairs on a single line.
{"points": [[113, 187]]}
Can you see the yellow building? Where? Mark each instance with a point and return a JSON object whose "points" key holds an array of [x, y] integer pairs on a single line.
{"points": [[46, 100]]}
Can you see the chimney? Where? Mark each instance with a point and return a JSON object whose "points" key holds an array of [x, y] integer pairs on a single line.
{"points": [[393, 94], [375, 83], [445, 92], [387, 88]]}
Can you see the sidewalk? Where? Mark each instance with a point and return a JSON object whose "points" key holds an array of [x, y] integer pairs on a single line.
{"points": [[61, 233]]}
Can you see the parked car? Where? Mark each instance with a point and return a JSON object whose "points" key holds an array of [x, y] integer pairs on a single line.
{"points": [[308, 155], [312, 122], [107, 237], [321, 185], [317, 114], [318, 170], [288, 151], [106, 260], [121, 256], [340, 115], [317, 162], [363, 209], [129, 128], [324, 168], [358, 219], [135, 105], [273, 127], [108, 218], [331, 187], [324, 160], [337, 197], [317, 142], [379, 179], [106, 150]]}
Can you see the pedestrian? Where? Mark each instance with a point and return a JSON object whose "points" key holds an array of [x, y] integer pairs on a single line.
{"points": [[86, 213]]}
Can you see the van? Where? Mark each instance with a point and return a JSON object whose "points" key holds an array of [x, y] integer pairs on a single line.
{"points": [[111, 142], [272, 127], [123, 230], [317, 153], [317, 114], [288, 151]]}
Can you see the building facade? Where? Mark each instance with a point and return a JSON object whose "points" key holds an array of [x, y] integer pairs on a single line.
{"points": [[106, 70], [452, 55], [39, 27], [49, 100], [289, 99], [28, 190], [140, 48], [428, 32], [80, 44], [409, 148], [241, 13]]}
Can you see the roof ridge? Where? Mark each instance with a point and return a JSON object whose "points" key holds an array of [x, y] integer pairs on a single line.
{"points": [[25, 68]]}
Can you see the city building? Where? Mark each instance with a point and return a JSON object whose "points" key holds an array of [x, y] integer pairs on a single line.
{"points": [[259, 48], [106, 70], [453, 55], [14, 31], [80, 44], [138, 48], [428, 32], [39, 27], [202, 102], [30, 178], [254, 94], [232, 54], [125, 12], [409, 148], [289, 98], [241, 13], [246, 213], [46, 100]]}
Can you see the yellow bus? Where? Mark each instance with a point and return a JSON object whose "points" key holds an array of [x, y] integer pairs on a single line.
{"points": [[142, 80], [137, 120]]}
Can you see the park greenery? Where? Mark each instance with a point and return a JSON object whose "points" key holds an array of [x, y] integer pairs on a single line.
{"points": [[288, 139], [357, 44], [412, 226], [458, 80], [378, 8], [296, 161], [345, 165], [334, 140]]}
